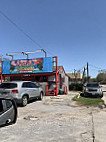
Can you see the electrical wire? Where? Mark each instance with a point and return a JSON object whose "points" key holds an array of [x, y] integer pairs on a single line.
{"points": [[20, 29], [95, 67]]}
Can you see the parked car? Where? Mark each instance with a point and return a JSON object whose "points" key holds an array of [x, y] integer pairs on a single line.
{"points": [[8, 111], [21, 91], [93, 89]]}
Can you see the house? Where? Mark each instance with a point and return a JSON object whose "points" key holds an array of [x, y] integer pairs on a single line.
{"points": [[75, 77]]}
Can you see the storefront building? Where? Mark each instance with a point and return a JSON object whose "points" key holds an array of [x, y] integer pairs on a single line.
{"points": [[42, 70]]}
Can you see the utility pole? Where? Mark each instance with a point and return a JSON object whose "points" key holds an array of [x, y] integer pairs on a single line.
{"points": [[87, 73], [1, 60], [75, 74], [83, 80]]}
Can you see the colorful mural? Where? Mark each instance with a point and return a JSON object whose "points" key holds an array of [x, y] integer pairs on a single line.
{"points": [[26, 66]]}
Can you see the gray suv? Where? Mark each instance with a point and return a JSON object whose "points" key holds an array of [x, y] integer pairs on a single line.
{"points": [[92, 89], [21, 91]]}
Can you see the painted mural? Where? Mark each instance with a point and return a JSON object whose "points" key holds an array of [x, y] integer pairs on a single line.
{"points": [[26, 66]]}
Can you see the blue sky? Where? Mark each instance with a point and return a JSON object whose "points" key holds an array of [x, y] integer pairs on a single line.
{"points": [[73, 30]]}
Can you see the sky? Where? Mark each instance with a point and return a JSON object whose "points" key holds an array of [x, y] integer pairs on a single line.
{"points": [[73, 30]]}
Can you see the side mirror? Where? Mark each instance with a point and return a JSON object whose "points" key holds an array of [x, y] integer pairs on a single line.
{"points": [[8, 111]]}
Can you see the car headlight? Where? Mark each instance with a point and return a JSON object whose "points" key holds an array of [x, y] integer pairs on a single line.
{"points": [[99, 90], [86, 89]]}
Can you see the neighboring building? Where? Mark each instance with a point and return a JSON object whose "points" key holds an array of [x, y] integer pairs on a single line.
{"points": [[74, 77]]}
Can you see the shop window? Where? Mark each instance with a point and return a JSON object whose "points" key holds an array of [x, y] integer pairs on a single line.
{"points": [[44, 79]]}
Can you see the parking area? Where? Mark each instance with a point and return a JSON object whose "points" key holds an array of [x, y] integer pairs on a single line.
{"points": [[57, 119]]}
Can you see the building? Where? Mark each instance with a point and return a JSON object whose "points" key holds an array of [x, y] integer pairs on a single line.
{"points": [[75, 77], [42, 70]]}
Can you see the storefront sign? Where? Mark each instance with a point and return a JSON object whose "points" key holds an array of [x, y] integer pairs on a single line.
{"points": [[28, 66]]}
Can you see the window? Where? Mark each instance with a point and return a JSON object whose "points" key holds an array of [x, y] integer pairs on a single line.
{"points": [[8, 104], [25, 85], [92, 85], [8, 85], [1, 107], [29, 85], [33, 85], [44, 79]]}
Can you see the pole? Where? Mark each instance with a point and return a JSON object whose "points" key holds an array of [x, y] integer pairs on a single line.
{"points": [[75, 74], [84, 75], [87, 72], [1, 71], [56, 77]]}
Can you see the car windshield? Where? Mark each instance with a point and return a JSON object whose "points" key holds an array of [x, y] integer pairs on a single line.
{"points": [[92, 85], [8, 85]]}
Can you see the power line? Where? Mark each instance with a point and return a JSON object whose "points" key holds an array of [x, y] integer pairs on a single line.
{"points": [[20, 29], [50, 52], [81, 69], [95, 67]]}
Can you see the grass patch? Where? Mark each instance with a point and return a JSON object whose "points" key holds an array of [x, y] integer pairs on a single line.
{"points": [[77, 91], [88, 101]]}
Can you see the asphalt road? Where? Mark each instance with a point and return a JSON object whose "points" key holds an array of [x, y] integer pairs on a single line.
{"points": [[55, 119]]}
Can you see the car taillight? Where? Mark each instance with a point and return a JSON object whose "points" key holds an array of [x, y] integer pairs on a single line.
{"points": [[14, 91]]}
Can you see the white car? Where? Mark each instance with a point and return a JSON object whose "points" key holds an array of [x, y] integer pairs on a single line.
{"points": [[21, 91], [92, 89]]}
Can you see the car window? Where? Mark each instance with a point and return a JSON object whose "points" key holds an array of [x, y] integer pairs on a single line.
{"points": [[1, 107], [37, 85], [25, 84], [8, 104], [92, 85], [29, 85], [32, 85], [8, 85]]}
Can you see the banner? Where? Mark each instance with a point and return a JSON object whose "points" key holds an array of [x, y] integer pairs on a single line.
{"points": [[38, 65]]}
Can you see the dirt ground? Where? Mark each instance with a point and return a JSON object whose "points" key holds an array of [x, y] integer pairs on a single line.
{"points": [[56, 119]]}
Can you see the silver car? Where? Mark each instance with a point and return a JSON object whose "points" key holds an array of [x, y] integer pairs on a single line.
{"points": [[92, 89], [21, 91], [8, 111]]}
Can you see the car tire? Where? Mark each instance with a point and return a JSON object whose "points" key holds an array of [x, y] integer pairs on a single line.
{"points": [[41, 96], [101, 95], [24, 101]]}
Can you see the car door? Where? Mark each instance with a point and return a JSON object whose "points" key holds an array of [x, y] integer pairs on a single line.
{"points": [[27, 89], [7, 112], [35, 89]]}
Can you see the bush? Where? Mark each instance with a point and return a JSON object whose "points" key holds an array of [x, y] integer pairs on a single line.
{"points": [[76, 86]]}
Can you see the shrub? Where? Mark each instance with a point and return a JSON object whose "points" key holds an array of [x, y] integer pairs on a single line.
{"points": [[76, 86]]}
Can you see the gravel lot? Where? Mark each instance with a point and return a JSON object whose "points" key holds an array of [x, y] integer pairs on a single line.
{"points": [[55, 119]]}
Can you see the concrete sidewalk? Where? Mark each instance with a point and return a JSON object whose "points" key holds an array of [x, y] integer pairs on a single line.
{"points": [[99, 119], [100, 126]]}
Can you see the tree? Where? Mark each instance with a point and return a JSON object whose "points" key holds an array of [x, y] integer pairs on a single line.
{"points": [[101, 77]]}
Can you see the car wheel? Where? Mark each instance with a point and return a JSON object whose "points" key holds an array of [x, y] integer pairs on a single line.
{"points": [[24, 100], [41, 96], [101, 95]]}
